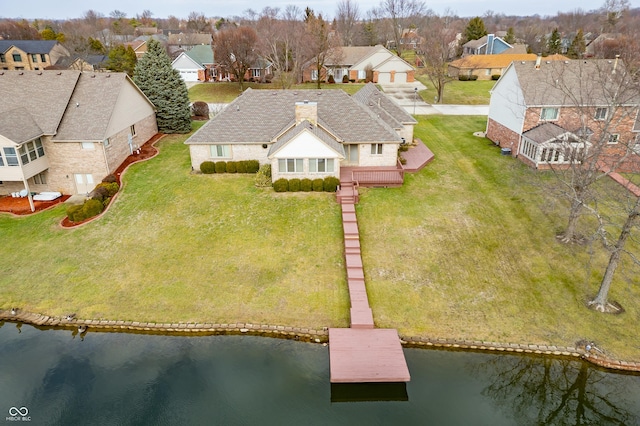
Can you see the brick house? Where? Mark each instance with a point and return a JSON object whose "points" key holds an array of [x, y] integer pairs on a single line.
{"points": [[65, 130], [305, 133], [372, 63], [30, 54], [554, 113]]}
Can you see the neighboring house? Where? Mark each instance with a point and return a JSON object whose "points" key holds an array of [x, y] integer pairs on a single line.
{"points": [[196, 64], [259, 71], [486, 66], [305, 133], [552, 113], [89, 63], [356, 62], [410, 39], [182, 42], [487, 45], [30, 54], [66, 130], [138, 46]]}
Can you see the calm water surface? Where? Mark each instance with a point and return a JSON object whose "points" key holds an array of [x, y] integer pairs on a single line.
{"points": [[129, 379]]}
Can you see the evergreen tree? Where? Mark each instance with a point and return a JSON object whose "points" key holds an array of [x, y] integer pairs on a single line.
{"points": [[122, 59], [511, 36], [578, 46], [554, 42], [162, 84], [475, 29]]}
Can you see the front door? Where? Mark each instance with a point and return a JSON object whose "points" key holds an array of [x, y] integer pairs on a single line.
{"points": [[351, 151], [84, 183]]}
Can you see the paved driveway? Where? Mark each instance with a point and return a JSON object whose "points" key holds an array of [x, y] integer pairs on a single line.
{"points": [[405, 96]]}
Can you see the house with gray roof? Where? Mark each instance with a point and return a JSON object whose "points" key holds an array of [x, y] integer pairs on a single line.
{"points": [[196, 64], [555, 113], [372, 63], [30, 54], [305, 133], [65, 130]]}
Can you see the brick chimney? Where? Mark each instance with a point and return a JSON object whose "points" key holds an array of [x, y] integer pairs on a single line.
{"points": [[306, 110]]}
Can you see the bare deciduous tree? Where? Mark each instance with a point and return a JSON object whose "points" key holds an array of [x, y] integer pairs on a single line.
{"points": [[235, 50], [401, 14], [198, 23], [347, 16]]}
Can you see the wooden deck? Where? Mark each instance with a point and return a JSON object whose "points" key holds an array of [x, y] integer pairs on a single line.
{"points": [[416, 157], [373, 176], [362, 353], [366, 355]]}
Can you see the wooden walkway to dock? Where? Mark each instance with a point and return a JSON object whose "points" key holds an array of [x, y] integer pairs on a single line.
{"points": [[362, 353]]}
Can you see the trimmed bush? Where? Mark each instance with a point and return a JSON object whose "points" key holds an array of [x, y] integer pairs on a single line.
{"points": [[111, 187], [294, 185], [254, 165], [208, 167], [263, 177], [100, 193], [473, 77], [463, 77], [306, 185], [331, 80], [200, 109], [241, 166], [231, 167], [318, 185], [91, 207], [72, 211], [110, 178], [221, 167], [331, 184], [281, 185], [345, 78], [495, 76]]}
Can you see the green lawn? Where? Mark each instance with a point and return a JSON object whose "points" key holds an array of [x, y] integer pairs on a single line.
{"points": [[467, 249], [178, 246], [459, 92], [226, 92]]}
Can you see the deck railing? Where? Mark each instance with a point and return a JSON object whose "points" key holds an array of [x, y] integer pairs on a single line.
{"points": [[372, 176]]}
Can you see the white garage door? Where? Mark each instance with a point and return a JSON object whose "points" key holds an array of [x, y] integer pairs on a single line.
{"points": [[400, 77], [384, 78], [188, 75]]}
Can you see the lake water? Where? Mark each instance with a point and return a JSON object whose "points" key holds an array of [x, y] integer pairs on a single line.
{"points": [[127, 379]]}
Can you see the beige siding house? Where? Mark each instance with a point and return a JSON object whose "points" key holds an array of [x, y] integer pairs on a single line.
{"points": [[66, 130], [305, 133], [30, 54]]}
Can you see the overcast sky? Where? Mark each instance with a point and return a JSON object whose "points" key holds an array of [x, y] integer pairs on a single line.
{"points": [[63, 9]]}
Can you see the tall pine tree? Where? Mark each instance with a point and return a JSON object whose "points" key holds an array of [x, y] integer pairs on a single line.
{"points": [[162, 84], [554, 43]]}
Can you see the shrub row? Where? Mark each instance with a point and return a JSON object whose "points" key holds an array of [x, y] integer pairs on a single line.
{"points": [[467, 77], [328, 184], [245, 166], [100, 197], [495, 76]]}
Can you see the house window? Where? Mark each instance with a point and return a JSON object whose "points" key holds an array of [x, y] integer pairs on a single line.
{"points": [[601, 114], [34, 57], [3, 58], [255, 72], [10, 156], [132, 130], [321, 165], [549, 114], [314, 75], [362, 74], [220, 151], [43, 57], [87, 145], [487, 72], [376, 149], [613, 138], [106, 142], [40, 179], [39, 147], [290, 165], [17, 57], [30, 151]]}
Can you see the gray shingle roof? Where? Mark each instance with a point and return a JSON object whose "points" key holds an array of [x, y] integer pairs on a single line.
{"points": [[258, 116], [383, 107], [18, 125], [42, 94], [544, 132], [90, 108], [29, 46], [574, 83], [350, 55]]}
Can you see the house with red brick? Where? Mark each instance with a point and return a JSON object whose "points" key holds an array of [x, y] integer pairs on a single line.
{"points": [[555, 113], [65, 130]]}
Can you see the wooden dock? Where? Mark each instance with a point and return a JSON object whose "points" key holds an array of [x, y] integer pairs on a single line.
{"points": [[362, 353]]}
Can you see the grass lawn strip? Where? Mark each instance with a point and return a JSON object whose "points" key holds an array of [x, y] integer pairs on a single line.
{"points": [[459, 92], [466, 249]]}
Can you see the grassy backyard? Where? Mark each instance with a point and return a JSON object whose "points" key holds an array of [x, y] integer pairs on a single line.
{"points": [[465, 249], [459, 92], [227, 92]]}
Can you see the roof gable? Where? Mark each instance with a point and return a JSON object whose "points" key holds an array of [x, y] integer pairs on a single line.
{"points": [[201, 54], [184, 61], [306, 140]]}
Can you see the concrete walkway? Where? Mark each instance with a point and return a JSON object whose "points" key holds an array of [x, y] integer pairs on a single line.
{"points": [[406, 97]]}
